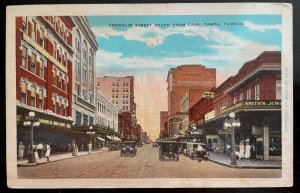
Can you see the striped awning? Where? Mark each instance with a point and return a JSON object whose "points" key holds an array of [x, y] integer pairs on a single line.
{"points": [[101, 139]]}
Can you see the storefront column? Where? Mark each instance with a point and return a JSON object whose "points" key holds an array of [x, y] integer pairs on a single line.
{"points": [[266, 143]]}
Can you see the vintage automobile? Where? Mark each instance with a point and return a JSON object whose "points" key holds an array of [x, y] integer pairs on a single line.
{"points": [[199, 151], [168, 149], [128, 149], [155, 144], [139, 144]]}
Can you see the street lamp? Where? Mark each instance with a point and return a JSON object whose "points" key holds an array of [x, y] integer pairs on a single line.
{"points": [[91, 133], [232, 123], [34, 123]]}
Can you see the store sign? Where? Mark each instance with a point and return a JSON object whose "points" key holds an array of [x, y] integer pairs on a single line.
{"points": [[210, 115], [45, 121], [208, 95], [56, 123], [222, 132], [256, 130], [253, 105]]}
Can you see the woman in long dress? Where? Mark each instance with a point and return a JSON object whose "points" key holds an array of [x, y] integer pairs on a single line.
{"points": [[48, 150], [242, 151], [35, 154], [247, 152], [21, 150]]}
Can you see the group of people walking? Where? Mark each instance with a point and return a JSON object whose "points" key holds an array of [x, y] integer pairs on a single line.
{"points": [[38, 150]]}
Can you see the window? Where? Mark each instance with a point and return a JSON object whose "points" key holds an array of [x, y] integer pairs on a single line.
{"points": [[278, 89], [41, 99], [85, 119], [113, 90], [24, 57], [54, 50], [113, 101], [77, 88], [33, 30], [61, 106], [113, 84], [42, 68], [248, 97], [59, 80], [24, 24], [91, 120], [234, 100], [54, 107], [33, 63], [41, 40], [113, 95], [78, 118], [23, 93], [241, 97], [66, 58], [33, 93], [60, 54], [256, 92], [117, 96]]}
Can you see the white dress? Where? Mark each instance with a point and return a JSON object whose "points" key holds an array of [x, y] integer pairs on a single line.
{"points": [[241, 155], [247, 151], [48, 150]]}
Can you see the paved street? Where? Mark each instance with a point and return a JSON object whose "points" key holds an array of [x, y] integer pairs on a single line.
{"points": [[144, 165]]}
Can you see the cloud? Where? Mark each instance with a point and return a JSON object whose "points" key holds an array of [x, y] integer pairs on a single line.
{"points": [[261, 28]]}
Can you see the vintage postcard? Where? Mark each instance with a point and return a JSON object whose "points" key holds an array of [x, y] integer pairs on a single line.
{"points": [[149, 95]]}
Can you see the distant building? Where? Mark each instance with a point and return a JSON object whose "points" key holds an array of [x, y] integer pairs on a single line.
{"points": [[121, 92], [179, 80]]}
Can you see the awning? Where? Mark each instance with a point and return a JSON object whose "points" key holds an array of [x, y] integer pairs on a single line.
{"points": [[101, 139], [113, 138]]}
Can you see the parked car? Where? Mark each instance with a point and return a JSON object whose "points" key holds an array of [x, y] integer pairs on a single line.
{"points": [[113, 146], [128, 149], [168, 149]]}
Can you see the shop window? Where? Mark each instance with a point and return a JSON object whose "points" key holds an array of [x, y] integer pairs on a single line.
{"points": [[256, 92], [85, 119], [278, 89], [78, 118], [24, 57], [275, 146]]}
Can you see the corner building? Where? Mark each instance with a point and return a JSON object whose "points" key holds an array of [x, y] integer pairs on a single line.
{"points": [[254, 95], [44, 77], [84, 71], [179, 80]]}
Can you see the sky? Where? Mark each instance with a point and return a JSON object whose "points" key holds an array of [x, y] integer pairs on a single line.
{"points": [[146, 47]]}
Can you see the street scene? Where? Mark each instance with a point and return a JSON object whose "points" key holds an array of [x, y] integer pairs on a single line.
{"points": [[145, 164], [149, 96]]}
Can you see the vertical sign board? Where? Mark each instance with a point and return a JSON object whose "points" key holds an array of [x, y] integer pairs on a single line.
{"points": [[266, 143]]}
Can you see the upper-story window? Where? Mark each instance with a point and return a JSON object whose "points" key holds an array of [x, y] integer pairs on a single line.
{"points": [[33, 30], [41, 40], [24, 57], [248, 96], [24, 24], [234, 100], [33, 63], [256, 92], [241, 97], [278, 89], [42, 68]]}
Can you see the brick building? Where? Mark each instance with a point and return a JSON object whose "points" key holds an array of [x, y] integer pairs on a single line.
{"points": [[44, 76], [254, 95], [164, 118], [179, 80]]}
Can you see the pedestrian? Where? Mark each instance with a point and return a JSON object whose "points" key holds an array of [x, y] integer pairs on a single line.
{"points": [[48, 151], [69, 147], [40, 150], [75, 152], [21, 150], [247, 150], [35, 154], [242, 150], [90, 147], [252, 152]]}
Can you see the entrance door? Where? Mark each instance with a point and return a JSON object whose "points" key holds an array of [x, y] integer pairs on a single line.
{"points": [[259, 149]]}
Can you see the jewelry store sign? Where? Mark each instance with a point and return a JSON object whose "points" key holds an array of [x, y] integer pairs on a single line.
{"points": [[210, 115], [253, 105]]}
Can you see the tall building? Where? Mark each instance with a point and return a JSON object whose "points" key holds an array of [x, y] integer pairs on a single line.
{"points": [[44, 76], [164, 118], [84, 72], [121, 91], [179, 80]]}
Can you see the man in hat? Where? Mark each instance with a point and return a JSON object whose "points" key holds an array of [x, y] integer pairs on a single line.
{"points": [[21, 149]]}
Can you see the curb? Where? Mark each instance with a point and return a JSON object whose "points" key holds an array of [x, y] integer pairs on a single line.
{"points": [[36, 164], [246, 167]]}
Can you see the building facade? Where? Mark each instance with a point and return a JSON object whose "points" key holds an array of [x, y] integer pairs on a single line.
{"points": [[44, 57], [84, 72], [106, 113], [254, 95], [179, 80], [164, 118], [121, 91]]}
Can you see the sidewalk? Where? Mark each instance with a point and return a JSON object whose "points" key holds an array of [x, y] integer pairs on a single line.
{"points": [[225, 160], [57, 157]]}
